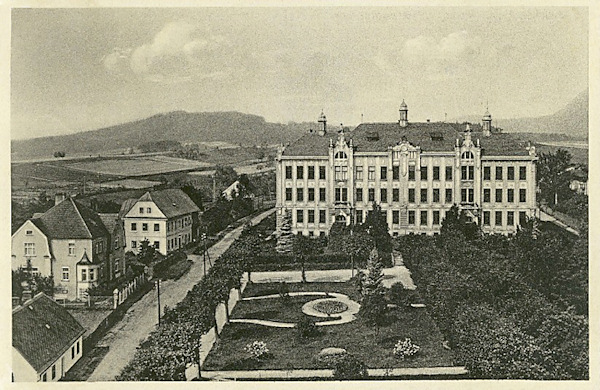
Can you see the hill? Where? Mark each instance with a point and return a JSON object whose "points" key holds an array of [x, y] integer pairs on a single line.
{"points": [[572, 120], [231, 127]]}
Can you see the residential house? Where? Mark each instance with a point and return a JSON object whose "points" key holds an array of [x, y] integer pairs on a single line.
{"points": [[414, 171], [116, 265], [68, 242], [46, 340], [166, 218]]}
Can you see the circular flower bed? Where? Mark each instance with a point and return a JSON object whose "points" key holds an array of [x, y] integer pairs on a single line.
{"points": [[330, 307]]}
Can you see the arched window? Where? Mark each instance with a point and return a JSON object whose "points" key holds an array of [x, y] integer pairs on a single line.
{"points": [[467, 156], [340, 155]]}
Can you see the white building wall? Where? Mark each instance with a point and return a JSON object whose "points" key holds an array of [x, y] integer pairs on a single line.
{"points": [[21, 369], [41, 259]]}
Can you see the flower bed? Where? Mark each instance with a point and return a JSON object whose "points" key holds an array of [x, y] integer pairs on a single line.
{"points": [[330, 307]]}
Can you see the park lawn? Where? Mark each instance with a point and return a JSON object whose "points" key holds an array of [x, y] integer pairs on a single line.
{"points": [[372, 346], [276, 309]]}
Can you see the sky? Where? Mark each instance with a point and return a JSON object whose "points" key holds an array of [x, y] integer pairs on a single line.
{"points": [[81, 69]]}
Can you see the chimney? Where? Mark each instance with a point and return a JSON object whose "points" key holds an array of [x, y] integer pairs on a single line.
{"points": [[59, 197], [27, 295]]}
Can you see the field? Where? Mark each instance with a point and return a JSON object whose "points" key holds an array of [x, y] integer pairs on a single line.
{"points": [[142, 166], [371, 345]]}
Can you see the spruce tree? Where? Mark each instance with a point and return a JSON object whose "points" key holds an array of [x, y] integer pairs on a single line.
{"points": [[285, 240]]}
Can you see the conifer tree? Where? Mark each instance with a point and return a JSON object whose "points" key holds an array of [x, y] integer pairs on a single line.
{"points": [[285, 240]]}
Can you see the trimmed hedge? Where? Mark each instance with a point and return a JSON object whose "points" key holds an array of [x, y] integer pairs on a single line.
{"points": [[161, 269]]}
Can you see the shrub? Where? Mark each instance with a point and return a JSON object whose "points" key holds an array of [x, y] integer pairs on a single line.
{"points": [[401, 296], [348, 367], [406, 348], [283, 290], [257, 350], [329, 357], [306, 328]]}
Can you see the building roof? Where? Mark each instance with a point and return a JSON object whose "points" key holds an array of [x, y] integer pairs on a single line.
{"points": [[310, 144], [110, 220], [172, 202], [70, 220], [430, 136], [42, 331], [126, 206]]}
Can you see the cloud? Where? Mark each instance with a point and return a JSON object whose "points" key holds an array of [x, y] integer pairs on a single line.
{"points": [[449, 56], [179, 51]]}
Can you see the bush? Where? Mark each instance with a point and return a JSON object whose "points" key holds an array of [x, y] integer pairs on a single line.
{"points": [[161, 269], [329, 357], [306, 328], [348, 367], [257, 350], [405, 348], [401, 296]]}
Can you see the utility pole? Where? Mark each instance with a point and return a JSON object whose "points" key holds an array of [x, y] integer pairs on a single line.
{"points": [[158, 295], [214, 191]]}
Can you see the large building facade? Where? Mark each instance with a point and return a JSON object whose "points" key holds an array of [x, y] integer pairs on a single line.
{"points": [[414, 171]]}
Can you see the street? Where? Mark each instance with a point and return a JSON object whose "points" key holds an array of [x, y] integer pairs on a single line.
{"points": [[141, 318]]}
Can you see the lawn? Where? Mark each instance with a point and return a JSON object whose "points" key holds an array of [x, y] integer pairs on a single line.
{"points": [[276, 309], [371, 345]]}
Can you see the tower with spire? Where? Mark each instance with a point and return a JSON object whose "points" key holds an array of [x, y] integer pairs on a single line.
{"points": [[322, 124], [487, 123], [403, 114]]}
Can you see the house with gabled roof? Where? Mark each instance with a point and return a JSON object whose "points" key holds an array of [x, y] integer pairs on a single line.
{"points": [[46, 340], [68, 242], [166, 218]]}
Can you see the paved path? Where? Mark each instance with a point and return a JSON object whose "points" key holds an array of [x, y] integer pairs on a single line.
{"points": [[141, 318], [550, 218], [397, 273], [302, 374]]}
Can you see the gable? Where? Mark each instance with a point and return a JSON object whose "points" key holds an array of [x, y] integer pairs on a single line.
{"points": [[37, 236], [144, 205]]}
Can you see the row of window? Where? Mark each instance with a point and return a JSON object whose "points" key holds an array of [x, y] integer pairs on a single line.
{"points": [[411, 217], [467, 195], [300, 194], [179, 223], [176, 242], [510, 195], [467, 173], [498, 218], [510, 173], [155, 244], [311, 216], [311, 172], [144, 227], [148, 210]]}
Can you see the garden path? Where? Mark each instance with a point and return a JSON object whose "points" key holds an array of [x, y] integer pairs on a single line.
{"points": [[347, 316]]}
